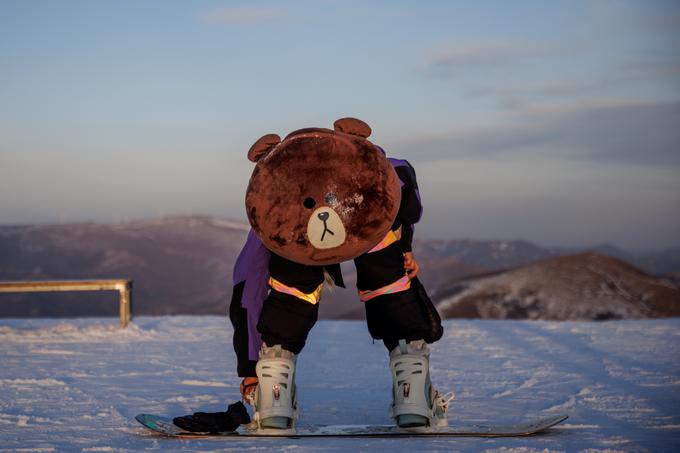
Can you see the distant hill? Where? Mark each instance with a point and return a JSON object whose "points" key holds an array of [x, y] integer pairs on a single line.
{"points": [[661, 263], [446, 261], [183, 265], [178, 264], [586, 286]]}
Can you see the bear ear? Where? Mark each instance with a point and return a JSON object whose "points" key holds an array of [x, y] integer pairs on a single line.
{"points": [[261, 147], [352, 126]]}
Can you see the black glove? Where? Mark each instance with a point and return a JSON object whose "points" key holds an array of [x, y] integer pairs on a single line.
{"points": [[214, 422]]}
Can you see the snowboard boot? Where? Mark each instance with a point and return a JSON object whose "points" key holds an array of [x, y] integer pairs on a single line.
{"points": [[276, 399], [415, 401]]}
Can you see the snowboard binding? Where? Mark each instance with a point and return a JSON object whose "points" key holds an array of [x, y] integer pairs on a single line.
{"points": [[276, 396], [415, 401]]}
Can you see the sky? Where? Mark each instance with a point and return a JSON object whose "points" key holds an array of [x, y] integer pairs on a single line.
{"points": [[554, 122]]}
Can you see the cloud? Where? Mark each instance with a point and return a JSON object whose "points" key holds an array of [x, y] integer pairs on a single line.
{"points": [[651, 71], [552, 201], [660, 19], [635, 133], [445, 61], [243, 15]]}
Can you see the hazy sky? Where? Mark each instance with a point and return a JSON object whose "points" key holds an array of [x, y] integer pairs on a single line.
{"points": [[555, 122]]}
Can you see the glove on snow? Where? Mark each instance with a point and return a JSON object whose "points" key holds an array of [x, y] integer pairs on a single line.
{"points": [[214, 422]]}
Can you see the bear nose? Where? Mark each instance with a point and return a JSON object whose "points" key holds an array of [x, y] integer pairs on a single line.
{"points": [[323, 216]]}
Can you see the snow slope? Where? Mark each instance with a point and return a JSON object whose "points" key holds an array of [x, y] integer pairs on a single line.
{"points": [[75, 385]]}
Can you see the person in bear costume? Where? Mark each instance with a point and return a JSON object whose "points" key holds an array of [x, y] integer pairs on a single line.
{"points": [[315, 199]]}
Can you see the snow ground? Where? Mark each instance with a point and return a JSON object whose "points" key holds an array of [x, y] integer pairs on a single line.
{"points": [[76, 384]]}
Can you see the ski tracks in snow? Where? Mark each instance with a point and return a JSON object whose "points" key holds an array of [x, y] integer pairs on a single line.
{"points": [[76, 386], [607, 373]]}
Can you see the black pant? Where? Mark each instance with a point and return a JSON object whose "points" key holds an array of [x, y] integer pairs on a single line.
{"points": [[287, 320]]}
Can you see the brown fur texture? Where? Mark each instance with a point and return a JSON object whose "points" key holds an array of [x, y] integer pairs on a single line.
{"points": [[352, 126], [320, 175], [263, 146]]}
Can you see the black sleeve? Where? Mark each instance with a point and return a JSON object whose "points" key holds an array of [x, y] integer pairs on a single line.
{"points": [[406, 237], [410, 208], [239, 319]]}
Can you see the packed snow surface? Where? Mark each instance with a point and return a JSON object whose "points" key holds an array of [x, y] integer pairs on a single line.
{"points": [[76, 384]]}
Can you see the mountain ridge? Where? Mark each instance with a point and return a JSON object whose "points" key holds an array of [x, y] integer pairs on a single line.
{"points": [[183, 265], [582, 286]]}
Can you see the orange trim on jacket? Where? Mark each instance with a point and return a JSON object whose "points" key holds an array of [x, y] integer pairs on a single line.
{"points": [[313, 297], [400, 285], [390, 238]]}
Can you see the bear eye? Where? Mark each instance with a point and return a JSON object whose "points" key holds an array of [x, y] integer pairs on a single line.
{"points": [[309, 202], [331, 198]]}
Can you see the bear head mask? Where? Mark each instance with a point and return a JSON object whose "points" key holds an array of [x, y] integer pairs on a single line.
{"points": [[321, 196]]}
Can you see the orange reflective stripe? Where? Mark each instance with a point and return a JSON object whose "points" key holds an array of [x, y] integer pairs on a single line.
{"points": [[400, 285], [390, 238], [312, 298]]}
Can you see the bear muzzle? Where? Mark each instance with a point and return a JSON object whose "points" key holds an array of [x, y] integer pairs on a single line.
{"points": [[325, 229]]}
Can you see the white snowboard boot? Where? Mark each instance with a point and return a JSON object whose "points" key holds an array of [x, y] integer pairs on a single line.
{"points": [[275, 399], [415, 401]]}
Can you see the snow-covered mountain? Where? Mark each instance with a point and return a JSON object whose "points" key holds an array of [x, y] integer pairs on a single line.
{"points": [[483, 254], [582, 286]]}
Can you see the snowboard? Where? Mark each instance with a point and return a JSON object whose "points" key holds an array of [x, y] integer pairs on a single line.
{"points": [[164, 425]]}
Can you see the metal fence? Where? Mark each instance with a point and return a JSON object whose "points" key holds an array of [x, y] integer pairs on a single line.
{"points": [[124, 288]]}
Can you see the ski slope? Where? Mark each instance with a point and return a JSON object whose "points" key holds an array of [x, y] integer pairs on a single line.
{"points": [[76, 384]]}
